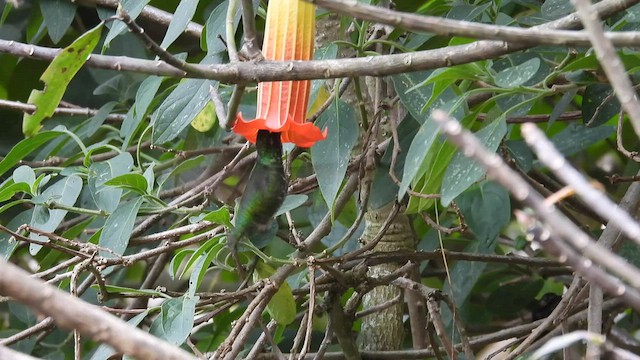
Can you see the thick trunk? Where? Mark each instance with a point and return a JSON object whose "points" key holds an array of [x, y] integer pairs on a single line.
{"points": [[384, 330]]}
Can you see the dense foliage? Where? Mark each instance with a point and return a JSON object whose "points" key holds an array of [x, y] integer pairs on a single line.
{"points": [[120, 184]]}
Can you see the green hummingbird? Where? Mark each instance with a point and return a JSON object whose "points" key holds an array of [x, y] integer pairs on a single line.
{"points": [[265, 190]]}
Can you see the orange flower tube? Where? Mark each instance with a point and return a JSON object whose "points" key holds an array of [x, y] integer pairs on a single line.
{"points": [[282, 105]]}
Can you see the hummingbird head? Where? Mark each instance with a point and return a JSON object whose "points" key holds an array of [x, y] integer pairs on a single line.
{"points": [[269, 146]]}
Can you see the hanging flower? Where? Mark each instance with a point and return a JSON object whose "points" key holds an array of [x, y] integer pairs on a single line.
{"points": [[282, 105]]}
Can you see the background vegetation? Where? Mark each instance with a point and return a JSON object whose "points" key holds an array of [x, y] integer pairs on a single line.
{"points": [[392, 243]]}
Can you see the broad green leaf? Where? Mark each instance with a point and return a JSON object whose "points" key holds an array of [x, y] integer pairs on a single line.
{"points": [[91, 126], [184, 166], [417, 162], [107, 199], [561, 106], [463, 171], [24, 174], [176, 319], [282, 306], [133, 9], [10, 189], [220, 216], [554, 9], [104, 351], [150, 176], [486, 209], [517, 75], [599, 104], [206, 118], [58, 15], [177, 261], [291, 202], [25, 147], [326, 52], [64, 192], [507, 300], [201, 267], [418, 149], [575, 137], [117, 229], [181, 107], [137, 113], [330, 157], [7, 243], [215, 27], [179, 21], [383, 186], [56, 78], [413, 96], [134, 182]]}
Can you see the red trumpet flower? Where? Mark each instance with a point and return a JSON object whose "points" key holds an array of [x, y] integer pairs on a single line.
{"points": [[282, 105]]}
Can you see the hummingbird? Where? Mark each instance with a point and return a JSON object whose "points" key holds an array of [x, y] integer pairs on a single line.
{"points": [[265, 190]]}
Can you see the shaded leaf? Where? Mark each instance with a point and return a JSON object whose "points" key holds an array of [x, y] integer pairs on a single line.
{"points": [[26, 147], [57, 15], [179, 21], [330, 157], [107, 199], [117, 229], [291, 202], [517, 75], [176, 319], [133, 9], [181, 106], [463, 171], [599, 104], [282, 306], [64, 192]]}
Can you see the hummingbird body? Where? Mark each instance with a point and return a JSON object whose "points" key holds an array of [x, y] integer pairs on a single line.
{"points": [[265, 190]]}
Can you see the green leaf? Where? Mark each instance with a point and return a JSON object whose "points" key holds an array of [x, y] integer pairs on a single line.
{"points": [[383, 186], [134, 182], [282, 306], [215, 27], [117, 229], [517, 75], [64, 192], [104, 351], [133, 9], [291, 202], [58, 15], [24, 174], [463, 171], [416, 154], [599, 104], [176, 319], [486, 209], [326, 52], [417, 162], [413, 95], [177, 261], [575, 137], [7, 243], [56, 78], [9, 190], [330, 157], [181, 107], [107, 199], [184, 166], [179, 21], [26, 147], [508, 299], [220, 216]]}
